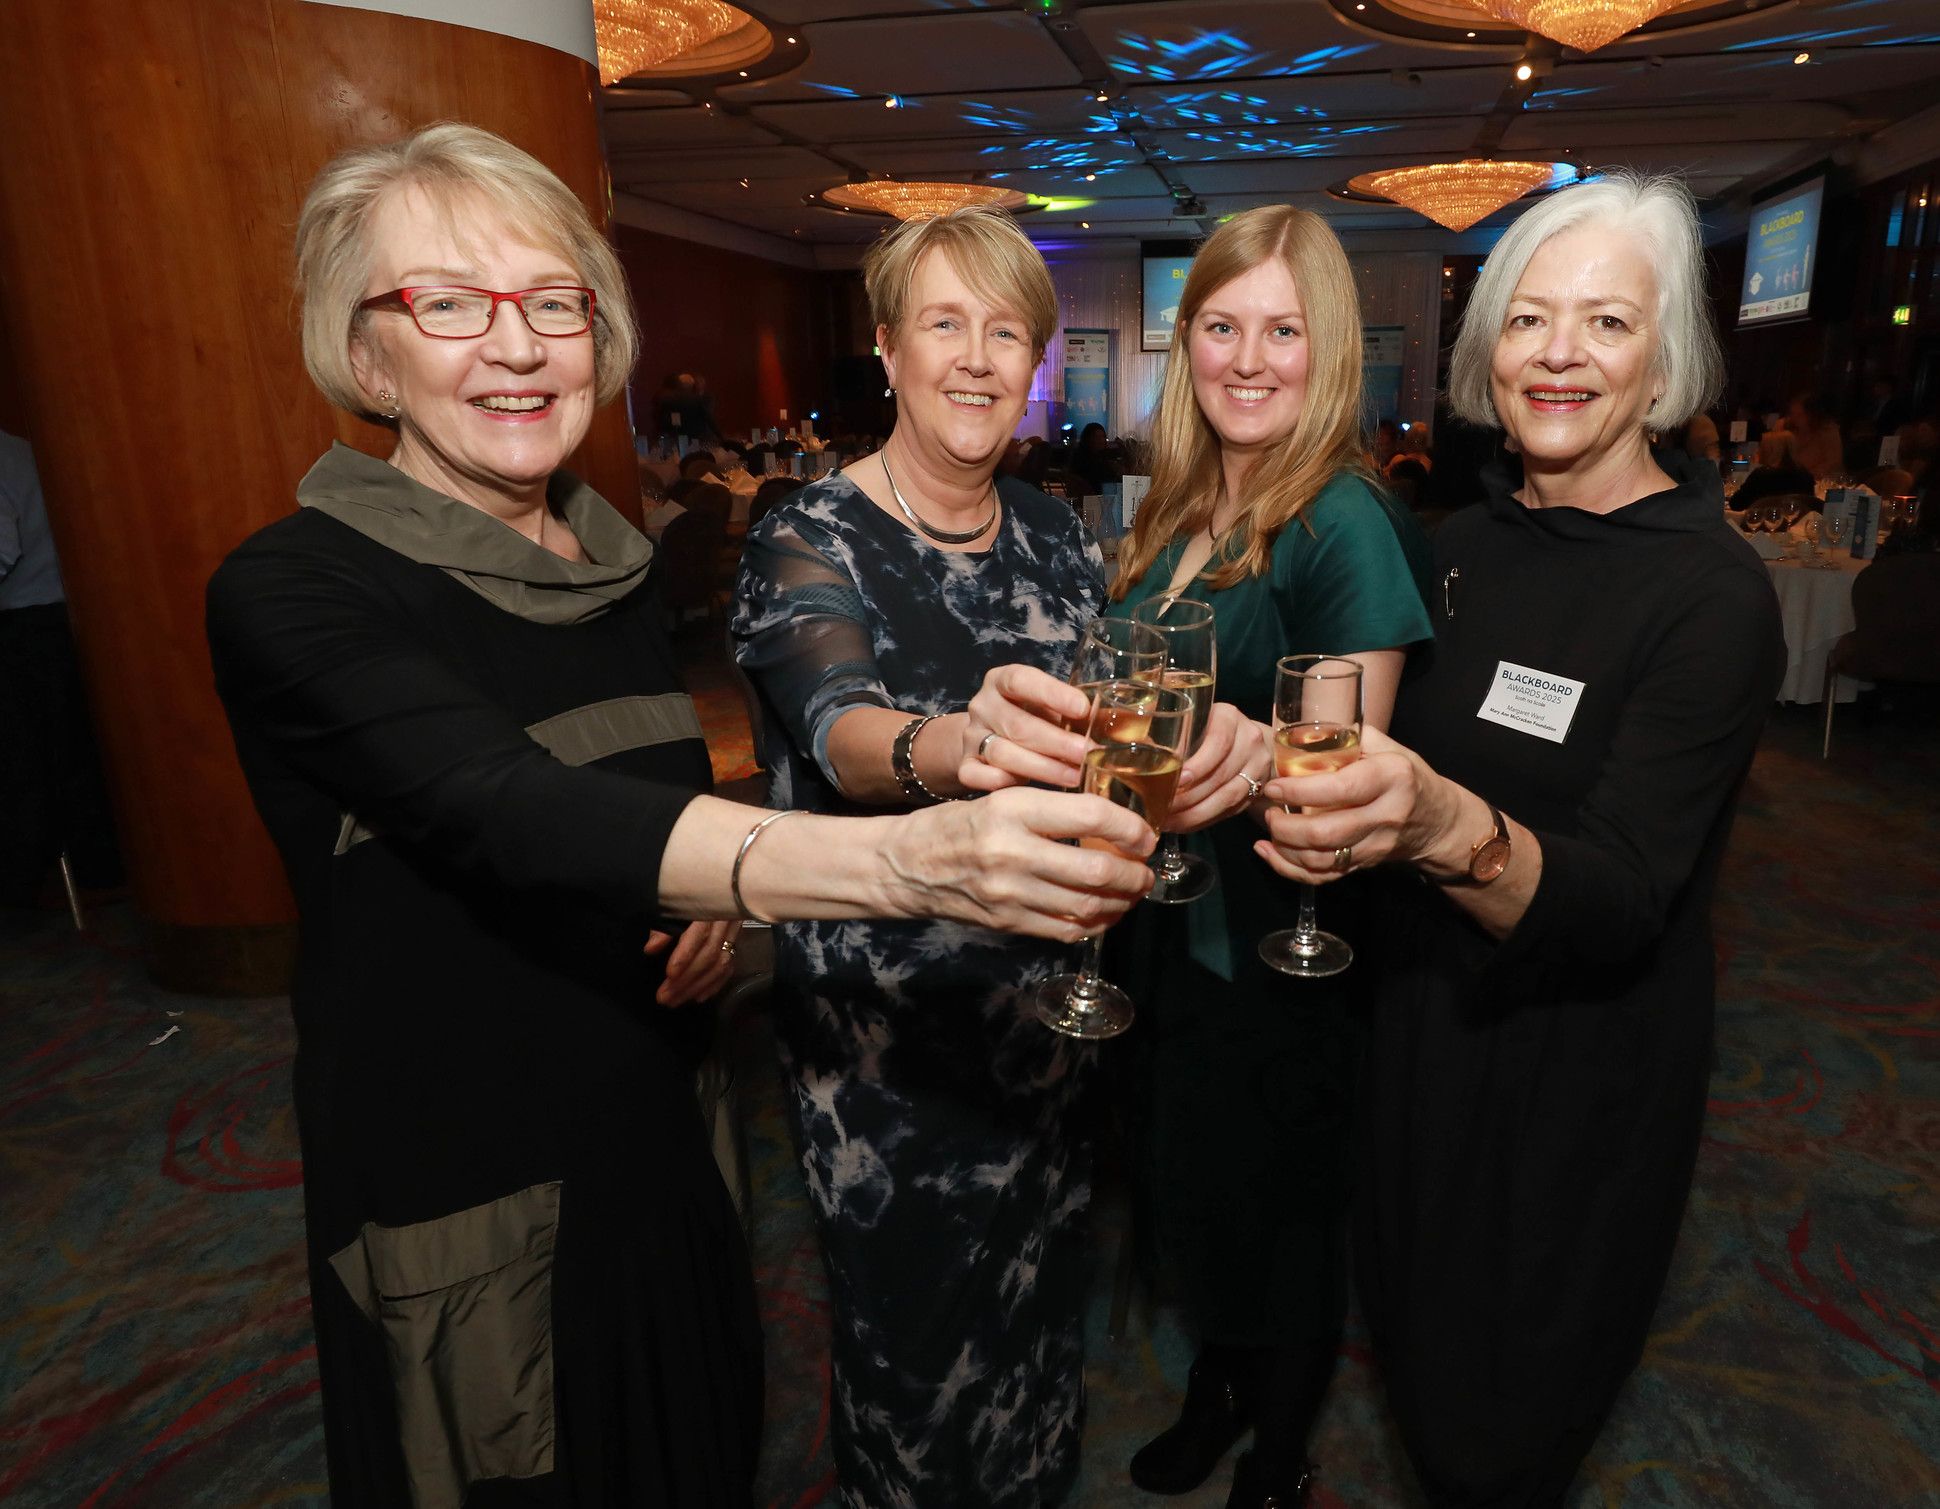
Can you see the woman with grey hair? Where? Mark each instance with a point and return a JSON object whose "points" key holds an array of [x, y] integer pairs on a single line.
{"points": [[464, 730], [1552, 804]]}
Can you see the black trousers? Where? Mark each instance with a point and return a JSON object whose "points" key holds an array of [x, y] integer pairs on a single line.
{"points": [[52, 796]]}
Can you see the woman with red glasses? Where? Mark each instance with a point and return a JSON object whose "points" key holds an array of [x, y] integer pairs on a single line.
{"points": [[463, 727]]}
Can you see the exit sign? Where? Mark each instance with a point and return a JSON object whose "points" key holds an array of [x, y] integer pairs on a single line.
{"points": [[1902, 314]]}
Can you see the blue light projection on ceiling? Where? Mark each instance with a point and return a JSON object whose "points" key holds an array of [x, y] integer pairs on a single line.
{"points": [[1103, 145], [1226, 107], [1316, 140], [1794, 39], [840, 91], [1215, 55], [1547, 99]]}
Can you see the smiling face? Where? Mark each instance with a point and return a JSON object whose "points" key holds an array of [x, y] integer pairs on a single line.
{"points": [[1248, 348], [961, 368], [1574, 372], [486, 420]]}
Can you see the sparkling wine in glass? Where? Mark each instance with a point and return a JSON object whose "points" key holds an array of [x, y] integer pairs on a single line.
{"points": [[1316, 728], [1185, 626], [1116, 649], [1141, 774]]}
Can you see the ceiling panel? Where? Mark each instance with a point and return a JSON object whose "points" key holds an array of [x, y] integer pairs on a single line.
{"points": [[872, 57], [1167, 42]]}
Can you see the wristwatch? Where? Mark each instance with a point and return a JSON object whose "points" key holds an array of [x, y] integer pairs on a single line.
{"points": [[1490, 857]]}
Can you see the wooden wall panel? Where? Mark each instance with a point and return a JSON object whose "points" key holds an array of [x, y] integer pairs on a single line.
{"points": [[158, 154]]}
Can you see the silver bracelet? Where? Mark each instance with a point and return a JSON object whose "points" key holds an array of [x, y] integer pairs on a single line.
{"points": [[902, 760], [741, 907]]}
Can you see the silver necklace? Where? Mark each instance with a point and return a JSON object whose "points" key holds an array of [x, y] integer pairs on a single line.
{"points": [[941, 536]]}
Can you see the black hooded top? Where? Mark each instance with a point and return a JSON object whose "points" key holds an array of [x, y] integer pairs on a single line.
{"points": [[1534, 1104]]}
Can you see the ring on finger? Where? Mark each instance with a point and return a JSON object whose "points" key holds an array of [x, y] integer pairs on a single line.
{"points": [[727, 948], [983, 744], [1344, 858], [1254, 789]]}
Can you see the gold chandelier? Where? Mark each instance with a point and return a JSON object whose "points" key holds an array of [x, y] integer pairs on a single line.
{"points": [[1455, 194], [636, 34], [1585, 25], [907, 201]]}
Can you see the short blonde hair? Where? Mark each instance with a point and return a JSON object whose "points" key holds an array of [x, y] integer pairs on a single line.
{"points": [[1188, 478], [989, 253], [1661, 214], [462, 168]]}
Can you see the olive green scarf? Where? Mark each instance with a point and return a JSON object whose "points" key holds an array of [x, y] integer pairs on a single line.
{"points": [[492, 558]]}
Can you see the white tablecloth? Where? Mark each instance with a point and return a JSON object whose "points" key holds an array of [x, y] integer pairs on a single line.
{"points": [[1817, 608]]}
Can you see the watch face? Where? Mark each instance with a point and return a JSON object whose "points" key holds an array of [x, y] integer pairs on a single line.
{"points": [[1490, 860]]}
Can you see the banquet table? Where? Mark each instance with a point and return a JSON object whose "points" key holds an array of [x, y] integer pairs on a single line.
{"points": [[1816, 606]]}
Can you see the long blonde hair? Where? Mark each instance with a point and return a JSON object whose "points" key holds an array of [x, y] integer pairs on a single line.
{"points": [[1187, 480]]}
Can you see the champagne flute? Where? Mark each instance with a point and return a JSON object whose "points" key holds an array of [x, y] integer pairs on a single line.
{"points": [[1117, 649], [1191, 665], [1316, 728], [1140, 773]]}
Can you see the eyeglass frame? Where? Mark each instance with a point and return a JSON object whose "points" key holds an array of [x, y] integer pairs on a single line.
{"points": [[405, 296]]}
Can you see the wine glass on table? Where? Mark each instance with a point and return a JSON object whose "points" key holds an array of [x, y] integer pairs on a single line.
{"points": [[1137, 735], [1316, 728], [1191, 665], [1834, 530]]}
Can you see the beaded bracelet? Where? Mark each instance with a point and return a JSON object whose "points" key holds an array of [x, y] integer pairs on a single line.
{"points": [[741, 907], [902, 760]]}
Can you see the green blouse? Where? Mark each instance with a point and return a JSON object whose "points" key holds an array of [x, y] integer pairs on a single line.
{"points": [[1349, 575]]}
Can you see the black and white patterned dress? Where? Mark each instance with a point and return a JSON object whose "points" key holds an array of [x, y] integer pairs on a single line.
{"points": [[934, 1115]]}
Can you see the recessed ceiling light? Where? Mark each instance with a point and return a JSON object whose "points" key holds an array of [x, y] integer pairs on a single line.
{"points": [[1084, 225], [894, 102], [1802, 57], [1524, 72], [791, 41], [1091, 178], [1448, 272], [1471, 36], [745, 184], [744, 73]]}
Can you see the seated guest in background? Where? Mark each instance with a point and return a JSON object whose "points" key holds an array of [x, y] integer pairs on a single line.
{"points": [[1776, 474], [936, 1118], [1264, 505], [1554, 803], [1387, 440], [1816, 443], [463, 728], [1700, 439], [1093, 460], [1412, 450], [53, 800]]}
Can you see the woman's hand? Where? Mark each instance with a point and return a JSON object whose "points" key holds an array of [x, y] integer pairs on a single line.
{"points": [[701, 963], [1386, 805], [999, 862], [1017, 730], [1223, 774]]}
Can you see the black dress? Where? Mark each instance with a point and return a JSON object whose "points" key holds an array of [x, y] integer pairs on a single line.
{"points": [[1533, 1106], [528, 1282], [936, 1117]]}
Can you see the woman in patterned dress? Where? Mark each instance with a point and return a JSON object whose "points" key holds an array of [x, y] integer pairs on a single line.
{"points": [[936, 1118]]}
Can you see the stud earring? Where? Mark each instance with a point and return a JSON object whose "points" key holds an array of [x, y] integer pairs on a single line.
{"points": [[888, 392], [387, 403]]}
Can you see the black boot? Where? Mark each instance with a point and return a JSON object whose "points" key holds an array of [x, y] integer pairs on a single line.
{"points": [[1218, 1408], [1252, 1491]]}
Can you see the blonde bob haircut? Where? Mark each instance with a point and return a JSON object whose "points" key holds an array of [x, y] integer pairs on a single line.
{"points": [[475, 178], [989, 253], [1661, 216], [1187, 478]]}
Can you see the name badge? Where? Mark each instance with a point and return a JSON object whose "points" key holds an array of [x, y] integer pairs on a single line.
{"points": [[1532, 702]]}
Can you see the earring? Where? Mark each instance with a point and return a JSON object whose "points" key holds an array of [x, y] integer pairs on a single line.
{"points": [[888, 392], [387, 403]]}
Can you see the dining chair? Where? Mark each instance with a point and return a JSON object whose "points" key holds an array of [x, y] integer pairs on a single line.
{"points": [[1896, 629]]}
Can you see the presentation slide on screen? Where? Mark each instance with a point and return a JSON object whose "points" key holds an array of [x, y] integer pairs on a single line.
{"points": [[1780, 250], [1165, 281]]}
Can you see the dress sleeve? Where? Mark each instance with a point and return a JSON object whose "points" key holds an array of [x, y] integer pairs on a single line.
{"points": [[801, 632], [312, 661], [1354, 585], [1683, 742]]}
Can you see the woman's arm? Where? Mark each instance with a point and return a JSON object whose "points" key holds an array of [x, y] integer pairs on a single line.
{"points": [[1602, 890]]}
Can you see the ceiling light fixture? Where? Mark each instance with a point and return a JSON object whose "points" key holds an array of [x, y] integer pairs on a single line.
{"points": [[906, 201], [1091, 178], [1455, 194], [1524, 73], [1084, 225], [636, 34], [1585, 25], [893, 102], [1803, 57]]}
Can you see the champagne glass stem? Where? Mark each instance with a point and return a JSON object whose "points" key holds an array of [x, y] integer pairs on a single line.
{"points": [[1171, 865], [1305, 929]]}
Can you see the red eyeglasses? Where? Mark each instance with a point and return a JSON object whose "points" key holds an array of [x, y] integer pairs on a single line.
{"points": [[459, 314]]}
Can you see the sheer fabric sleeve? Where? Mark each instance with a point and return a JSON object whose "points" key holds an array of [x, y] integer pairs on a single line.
{"points": [[801, 633], [310, 662]]}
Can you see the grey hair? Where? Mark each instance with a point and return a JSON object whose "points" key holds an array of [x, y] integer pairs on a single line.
{"points": [[464, 169], [1661, 214]]}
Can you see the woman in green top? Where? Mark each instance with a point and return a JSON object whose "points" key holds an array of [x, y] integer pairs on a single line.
{"points": [[1262, 505]]}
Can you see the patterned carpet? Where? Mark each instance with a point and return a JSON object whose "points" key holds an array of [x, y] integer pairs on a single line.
{"points": [[154, 1341]]}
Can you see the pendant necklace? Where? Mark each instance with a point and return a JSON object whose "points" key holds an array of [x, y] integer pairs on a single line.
{"points": [[941, 536]]}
